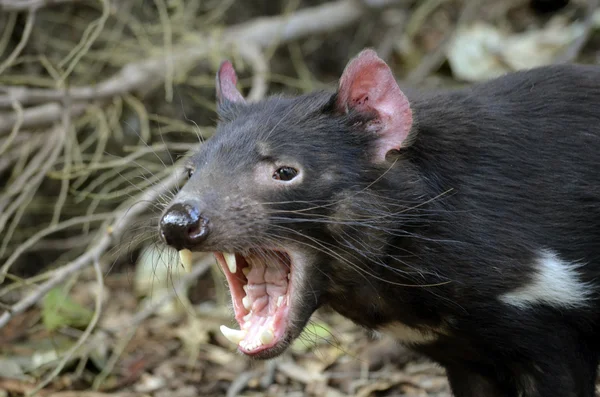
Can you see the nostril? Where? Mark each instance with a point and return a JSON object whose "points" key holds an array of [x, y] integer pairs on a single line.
{"points": [[193, 231], [182, 226], [199, 231]]}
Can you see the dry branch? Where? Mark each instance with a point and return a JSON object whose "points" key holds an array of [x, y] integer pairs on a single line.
{"points": [[572, 52], [435, 59], [259, 34], [111, 233], [30, 5]]}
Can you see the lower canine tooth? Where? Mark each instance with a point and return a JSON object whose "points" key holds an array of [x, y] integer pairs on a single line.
{"points": [[233, 335], [246, 302], [248, 316], [246, 270], [266, 337], [279, 301], [185, 256], [230, 260]]}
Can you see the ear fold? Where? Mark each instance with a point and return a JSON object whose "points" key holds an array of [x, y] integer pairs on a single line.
{"points": [[226, 80], [368, 86]]}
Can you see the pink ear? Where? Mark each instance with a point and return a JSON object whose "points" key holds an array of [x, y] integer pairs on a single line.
{"points": [[226, 81], [368, 86]]}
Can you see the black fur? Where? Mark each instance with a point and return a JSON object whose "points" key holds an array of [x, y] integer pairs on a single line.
{"points": [[496, 173]]}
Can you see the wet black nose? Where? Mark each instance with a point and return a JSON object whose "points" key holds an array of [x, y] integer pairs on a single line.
{"points": [[182, 226]]}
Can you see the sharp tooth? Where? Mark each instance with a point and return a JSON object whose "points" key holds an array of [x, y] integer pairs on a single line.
{"points": [[246, 270], [266, 336], [279, 301], [247, 302], [185, 256], [245, 287], [248, 316], [233, 335], [230, 259], [289, 275]]}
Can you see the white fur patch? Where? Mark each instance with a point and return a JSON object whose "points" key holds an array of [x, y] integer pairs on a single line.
{"points": [[405, 334], [555, 283]]}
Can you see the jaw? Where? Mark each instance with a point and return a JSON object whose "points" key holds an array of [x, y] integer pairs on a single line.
{"points": [[267, 289]]}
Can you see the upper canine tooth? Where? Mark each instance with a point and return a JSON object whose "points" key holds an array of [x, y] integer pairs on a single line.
{"points": [[233, 335], [185, 256], [230, 260]]}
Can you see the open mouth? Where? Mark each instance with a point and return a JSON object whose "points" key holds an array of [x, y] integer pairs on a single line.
{"points": [[259, 283]]}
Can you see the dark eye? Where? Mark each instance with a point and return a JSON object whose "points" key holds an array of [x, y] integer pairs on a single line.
{"points": [[285, 174], [189, 172]]}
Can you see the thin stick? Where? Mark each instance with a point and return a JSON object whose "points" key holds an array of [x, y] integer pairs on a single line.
{"points": [[434, 60], [29, 5], [24, 38], [143, 75], [122, 220], [572, 51]]}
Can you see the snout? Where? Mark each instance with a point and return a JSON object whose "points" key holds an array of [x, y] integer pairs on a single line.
{"points": [[183, 226]]}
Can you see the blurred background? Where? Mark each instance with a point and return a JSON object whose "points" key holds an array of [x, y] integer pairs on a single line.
{"points": [[101, 101]]}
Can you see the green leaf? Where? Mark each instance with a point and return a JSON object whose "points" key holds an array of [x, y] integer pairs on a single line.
{"points": [[59, 310]]}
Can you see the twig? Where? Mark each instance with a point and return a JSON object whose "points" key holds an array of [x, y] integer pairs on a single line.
{"points": [[39, 115], [61, 244], [31, 186], [6, 160], [7, 32], [262, 32], [27, 5], [254, 55], [45, 232], [573, 50], [123, 219], [165, 20], [27, 175], [90, 35], [18, 108], [435, 59], [69, 142], [24, 38]]}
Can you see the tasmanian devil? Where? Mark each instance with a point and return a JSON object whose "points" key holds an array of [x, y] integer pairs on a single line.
{"points": [[464, 222]]}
